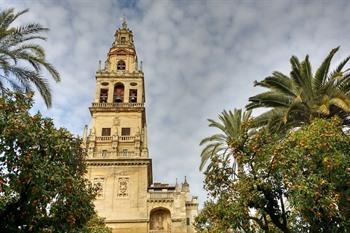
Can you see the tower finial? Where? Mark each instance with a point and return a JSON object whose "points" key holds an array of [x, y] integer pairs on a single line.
{"points": [[124, 23]]}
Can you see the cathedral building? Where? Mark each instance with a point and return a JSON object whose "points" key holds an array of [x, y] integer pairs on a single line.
{"points": [[117, 152]]}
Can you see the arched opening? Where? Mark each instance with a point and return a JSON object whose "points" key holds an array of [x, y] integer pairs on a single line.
{"points": [[123, 40], [121, 65], [118, 95], [160, 221], [133, 95], [103, 95]]}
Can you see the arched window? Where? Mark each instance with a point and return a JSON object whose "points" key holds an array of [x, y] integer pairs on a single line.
{"points": [[121, 65], [123, 40], [133, 95], [160, 220], [118, 95], [103, 95]]}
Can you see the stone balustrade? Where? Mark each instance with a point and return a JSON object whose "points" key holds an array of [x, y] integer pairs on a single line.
{"points": [[118, 105], [126, 154], [113, 154], [110, 138], [126, 138], [104, 138]]}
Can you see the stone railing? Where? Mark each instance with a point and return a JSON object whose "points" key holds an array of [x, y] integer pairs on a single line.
{"points": [[112, 154], [123, 73], [102, 154], [127, 105], [104, 138], [102, 105], [118, 105], [126, 138], [126, 154], [114, 138]]}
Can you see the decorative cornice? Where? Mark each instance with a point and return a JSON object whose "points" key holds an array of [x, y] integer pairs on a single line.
{"points": [[117, 162], [161, 200], [121, 51], [116, 109], [144, 220], [128, 221], [191, 204]]}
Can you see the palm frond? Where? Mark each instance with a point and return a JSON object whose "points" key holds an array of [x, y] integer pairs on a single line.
{"points": [[16, 49], [208, 152], [343, 104], [231, 127], [269, 99], [322, 71], [307, 77], [278, 82], [342, 64]]}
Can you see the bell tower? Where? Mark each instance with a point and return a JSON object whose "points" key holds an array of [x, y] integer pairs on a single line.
{"points": [[118, 113], [117, 152]]}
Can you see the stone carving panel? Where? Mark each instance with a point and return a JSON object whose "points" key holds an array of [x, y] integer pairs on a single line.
{"points": [[99, 182], [123, 187]]}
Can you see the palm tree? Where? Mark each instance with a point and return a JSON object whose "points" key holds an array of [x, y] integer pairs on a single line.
{"points": [[233, 127], [298, 98], [21, 60]]}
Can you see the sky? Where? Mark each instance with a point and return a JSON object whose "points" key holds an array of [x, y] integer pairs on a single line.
{"points": [[199, 58]]}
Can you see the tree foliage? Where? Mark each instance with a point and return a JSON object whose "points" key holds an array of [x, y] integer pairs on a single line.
{"points": [[288, 169], [232, 131], [42, 184], [315, 166], [303, 95], [97, 225], [21, 59], [296, 184]]}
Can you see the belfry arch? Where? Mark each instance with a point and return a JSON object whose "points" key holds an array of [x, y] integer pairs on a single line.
{"points": [[118, 94], [121, 65], [160, 220]]}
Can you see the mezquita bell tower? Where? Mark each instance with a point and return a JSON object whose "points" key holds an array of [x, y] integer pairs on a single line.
{"points": [[117, 152]]}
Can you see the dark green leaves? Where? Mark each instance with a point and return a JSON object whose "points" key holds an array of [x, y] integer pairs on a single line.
{"points": [[42, 184]]}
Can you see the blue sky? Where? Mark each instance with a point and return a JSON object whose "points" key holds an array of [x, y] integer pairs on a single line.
{"points": [[199, 57]]}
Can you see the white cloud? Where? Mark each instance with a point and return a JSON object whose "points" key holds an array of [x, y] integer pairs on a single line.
{"points": [[199, 58]]}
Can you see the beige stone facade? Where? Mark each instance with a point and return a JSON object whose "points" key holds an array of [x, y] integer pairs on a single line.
{"points": [[117, 152]]}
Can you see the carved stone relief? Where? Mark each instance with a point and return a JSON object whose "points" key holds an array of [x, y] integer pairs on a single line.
{"points": [[116, 121], [99, 181], [123, 187]]}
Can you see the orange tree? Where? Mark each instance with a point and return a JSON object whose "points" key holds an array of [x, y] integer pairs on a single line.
{"points": [[42, 184], [298, 183], [314, 165]]}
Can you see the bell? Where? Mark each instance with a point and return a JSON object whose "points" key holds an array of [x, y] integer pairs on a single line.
{"points": [[133, 98], [118, 99]]}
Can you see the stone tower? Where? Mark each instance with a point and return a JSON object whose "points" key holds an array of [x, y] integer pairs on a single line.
{"points": [[117, 152]]}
